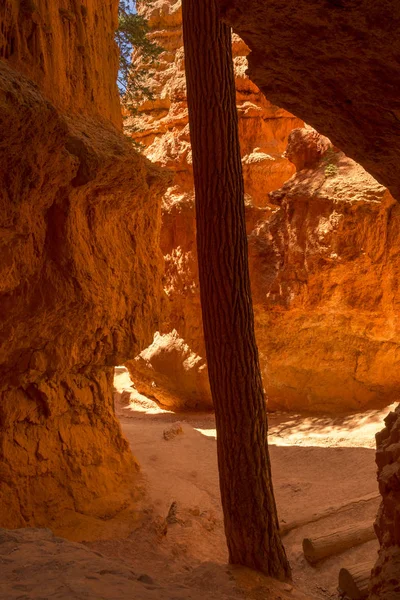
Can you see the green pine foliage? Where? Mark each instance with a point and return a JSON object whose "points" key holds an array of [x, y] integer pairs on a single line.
{"points": [[131, 35], [329, 159]]}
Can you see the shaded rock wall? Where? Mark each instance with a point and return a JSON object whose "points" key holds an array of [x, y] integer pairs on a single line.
{"points": [[162, 127], [80, 267], [335, 64], [385, 582], [66, 47]]}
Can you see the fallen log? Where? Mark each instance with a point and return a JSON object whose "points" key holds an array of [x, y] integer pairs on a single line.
{"points": [[354, 581], [285, 528], [317, 548]]}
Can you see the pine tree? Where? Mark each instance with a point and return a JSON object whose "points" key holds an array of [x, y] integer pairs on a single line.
{"points": [[250, 516], [130, 36]]}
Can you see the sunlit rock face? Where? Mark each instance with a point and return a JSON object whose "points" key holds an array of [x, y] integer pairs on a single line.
{"points": [[68, 52], [325, 264], [323, 271], [80, 265], [171, 372], [335, 64], [162, 127]]}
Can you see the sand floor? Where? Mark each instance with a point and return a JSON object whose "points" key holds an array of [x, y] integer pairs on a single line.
{"points": [[171, 544], [320, 465]]}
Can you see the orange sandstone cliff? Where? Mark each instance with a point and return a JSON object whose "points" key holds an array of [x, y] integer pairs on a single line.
{"points": [[322, 250], [173, 368], [325, 264], [335, 64], [80, 266]]}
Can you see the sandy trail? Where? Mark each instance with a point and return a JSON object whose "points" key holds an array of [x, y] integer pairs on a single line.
{"points": [[318, 463], [171, 544]]}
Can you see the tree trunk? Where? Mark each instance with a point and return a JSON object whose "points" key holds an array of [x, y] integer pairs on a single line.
{"points": [[336, 542], [355, 580], [250, 517]]}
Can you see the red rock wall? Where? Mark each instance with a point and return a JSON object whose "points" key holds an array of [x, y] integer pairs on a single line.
{"points": [[67, 47], [324, 276], [324, 267], [172, 369], [335, 64], [324, 262], [80, 267]]}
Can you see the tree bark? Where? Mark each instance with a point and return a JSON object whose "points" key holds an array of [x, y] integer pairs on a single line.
{"points": [[286, 528], [336, 542], [250, 516], [355, 580]]}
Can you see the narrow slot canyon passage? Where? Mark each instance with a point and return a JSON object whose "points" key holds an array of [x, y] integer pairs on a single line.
{"points": [[109, 479]]}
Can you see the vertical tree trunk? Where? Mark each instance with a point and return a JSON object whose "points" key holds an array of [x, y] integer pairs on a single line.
{"points": [[251, 523]]}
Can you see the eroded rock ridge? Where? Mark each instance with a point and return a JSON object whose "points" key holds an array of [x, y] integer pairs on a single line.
{"points": [[164, 370], [80, 266], [322, 249]]}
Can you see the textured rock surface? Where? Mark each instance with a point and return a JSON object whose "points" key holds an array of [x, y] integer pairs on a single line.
{"points": [[162, 127], [323, 253], [80, 267], [324, 266], [333, 63], [67, 48], [324, 262], [171, 372], [385, 584], [36, 564]]}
